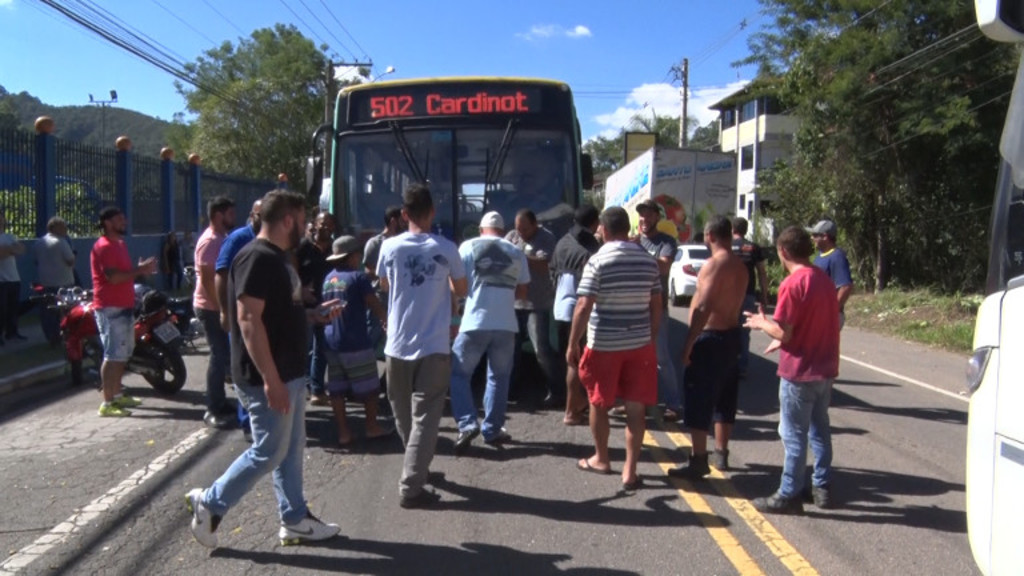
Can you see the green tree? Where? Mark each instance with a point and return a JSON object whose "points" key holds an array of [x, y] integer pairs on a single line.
{"points": [[258, 104], [705, 137], [899, 131], [607, 153], [8, 114]]}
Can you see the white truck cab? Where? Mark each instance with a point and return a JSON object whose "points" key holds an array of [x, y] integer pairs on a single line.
{"points": [[995, 427]]}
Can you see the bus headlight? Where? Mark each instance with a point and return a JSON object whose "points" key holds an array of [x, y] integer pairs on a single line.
{"points": [[976, 368]]}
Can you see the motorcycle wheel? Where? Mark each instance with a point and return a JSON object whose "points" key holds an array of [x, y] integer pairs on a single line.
{"points": [[88, 368], [172, 371]]}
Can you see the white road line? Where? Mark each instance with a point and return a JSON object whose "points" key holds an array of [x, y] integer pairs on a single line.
{"points": [[82, 517], [905, 379]]}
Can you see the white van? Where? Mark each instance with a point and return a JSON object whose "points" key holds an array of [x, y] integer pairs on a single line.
{"points": [[995, 427]]}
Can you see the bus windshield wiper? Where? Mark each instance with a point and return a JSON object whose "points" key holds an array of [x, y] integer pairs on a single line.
{"points": [[499, 161], [403, 145]]}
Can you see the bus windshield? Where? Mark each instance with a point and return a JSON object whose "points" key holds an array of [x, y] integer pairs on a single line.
{"points": [[470, 171]]}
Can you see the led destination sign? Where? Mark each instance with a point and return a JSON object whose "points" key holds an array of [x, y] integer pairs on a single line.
{"points": [[367, 106]]}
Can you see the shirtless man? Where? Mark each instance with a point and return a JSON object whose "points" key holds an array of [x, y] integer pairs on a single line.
{"points": [[711, 353]]}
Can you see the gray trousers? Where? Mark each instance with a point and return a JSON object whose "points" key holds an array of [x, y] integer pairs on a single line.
{"points": [[416, 390]]}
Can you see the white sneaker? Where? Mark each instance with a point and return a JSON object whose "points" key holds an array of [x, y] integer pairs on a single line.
{"points": [[309, 529], [204, 524]]}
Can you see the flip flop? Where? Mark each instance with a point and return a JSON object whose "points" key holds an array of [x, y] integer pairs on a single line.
{"points": [[584, 465], [579, 420], [633, 486]]}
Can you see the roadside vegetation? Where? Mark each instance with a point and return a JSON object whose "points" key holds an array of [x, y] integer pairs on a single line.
{"points": [[920, 315], [923, 316]]}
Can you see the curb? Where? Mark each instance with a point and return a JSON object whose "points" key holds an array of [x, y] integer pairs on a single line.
{"points": [[30, 377]]}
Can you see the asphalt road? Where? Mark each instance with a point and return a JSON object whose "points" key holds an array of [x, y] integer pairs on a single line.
{"points": [[85, 495]]}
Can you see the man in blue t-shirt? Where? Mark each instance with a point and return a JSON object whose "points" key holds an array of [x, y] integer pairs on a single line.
{"points": [[348, 352], [497, 275], [420, 272], [833, 261], [228, 250]]}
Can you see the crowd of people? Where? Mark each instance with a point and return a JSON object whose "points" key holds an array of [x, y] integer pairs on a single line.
{"points": [[294, 317]]}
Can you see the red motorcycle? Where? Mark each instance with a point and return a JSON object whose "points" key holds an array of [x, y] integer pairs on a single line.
{"points": [[157, 353]]}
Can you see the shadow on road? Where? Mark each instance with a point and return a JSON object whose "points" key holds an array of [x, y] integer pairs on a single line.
{"points": [[406, 558], [869, 497], [841, 399]]}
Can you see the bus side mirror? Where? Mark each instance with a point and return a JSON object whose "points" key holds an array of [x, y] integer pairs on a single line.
{"points": [[587, 171], [314, 177], [1001, 20]]}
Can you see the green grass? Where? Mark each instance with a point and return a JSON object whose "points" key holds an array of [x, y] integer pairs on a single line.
{"points": [[917, 315]]}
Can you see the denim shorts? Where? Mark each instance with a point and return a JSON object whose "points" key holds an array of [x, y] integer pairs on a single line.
{"points": [[117, 333]]}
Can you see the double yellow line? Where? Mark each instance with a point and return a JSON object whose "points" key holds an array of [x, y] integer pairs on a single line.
{"points": [[727, 542]]}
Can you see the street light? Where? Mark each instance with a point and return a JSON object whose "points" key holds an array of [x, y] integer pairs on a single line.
{"points": [[103, 106], [388, 70]]}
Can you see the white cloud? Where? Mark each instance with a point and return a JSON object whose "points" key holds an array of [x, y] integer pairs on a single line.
{"points": [[7, 4], [543, 31], [580, 31], [664, 100]]}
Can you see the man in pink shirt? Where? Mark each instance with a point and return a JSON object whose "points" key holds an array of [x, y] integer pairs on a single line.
{"points": [[114, 302], [805, 331], [221, 213]]}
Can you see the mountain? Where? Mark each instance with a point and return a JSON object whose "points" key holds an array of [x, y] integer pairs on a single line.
{"points": [[86, 123]]}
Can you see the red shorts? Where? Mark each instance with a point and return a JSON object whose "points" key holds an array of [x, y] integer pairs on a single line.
{"points": [[631, 375]]}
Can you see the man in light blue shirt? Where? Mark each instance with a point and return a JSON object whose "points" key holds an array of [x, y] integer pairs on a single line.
{"points": [[420, 272], [498, 274]]}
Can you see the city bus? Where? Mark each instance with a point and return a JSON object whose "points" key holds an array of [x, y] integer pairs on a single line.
{"points": [[480, 143], [995, 375]]}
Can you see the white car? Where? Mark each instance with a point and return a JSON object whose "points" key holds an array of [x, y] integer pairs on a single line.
{"points": [[682, 276]]}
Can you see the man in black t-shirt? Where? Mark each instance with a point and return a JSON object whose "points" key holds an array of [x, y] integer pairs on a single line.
{"points": [[313, 268], [753, 258], [269, 369]]}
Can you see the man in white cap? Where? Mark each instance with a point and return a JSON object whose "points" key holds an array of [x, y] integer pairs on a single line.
{"points": [[498, 274], [833, 261]]}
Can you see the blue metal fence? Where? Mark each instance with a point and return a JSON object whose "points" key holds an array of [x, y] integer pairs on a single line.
{"points": [[42, 176]]}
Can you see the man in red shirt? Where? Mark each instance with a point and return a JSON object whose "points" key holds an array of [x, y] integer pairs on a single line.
{"points": [[805, 330], [114, 301]]}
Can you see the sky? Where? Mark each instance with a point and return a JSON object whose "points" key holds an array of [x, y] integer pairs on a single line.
{"points": [[616, 56]]}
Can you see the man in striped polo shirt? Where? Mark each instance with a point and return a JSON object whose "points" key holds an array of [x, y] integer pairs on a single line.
{"points": [[620, 303]]}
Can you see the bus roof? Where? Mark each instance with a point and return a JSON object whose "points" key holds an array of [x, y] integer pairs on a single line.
{"points": [[456, 80]]}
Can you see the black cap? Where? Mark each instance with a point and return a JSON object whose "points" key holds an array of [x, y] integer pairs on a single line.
{"points": [[648, 204]]}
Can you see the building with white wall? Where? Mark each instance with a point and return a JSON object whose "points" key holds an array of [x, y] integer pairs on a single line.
{"points": [[752, 125]]}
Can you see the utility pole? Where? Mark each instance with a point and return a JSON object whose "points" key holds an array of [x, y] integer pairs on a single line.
{"points": [[329, 84], [685, 72]]}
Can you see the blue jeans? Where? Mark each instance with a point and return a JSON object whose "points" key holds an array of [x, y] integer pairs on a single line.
{"points": [[317, 362], [536, 325], [278, 444], [469, 348], [749, 305], [668, 384], [803, 416], [220, 358]]}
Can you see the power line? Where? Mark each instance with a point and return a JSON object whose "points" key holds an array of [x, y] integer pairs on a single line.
{"points": [[947, 52], [865, 15], [345, 30], [187, 25], [950, 38], [308, 27], [225, 18], [923, 132], [324, 26], [117, 38]]}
